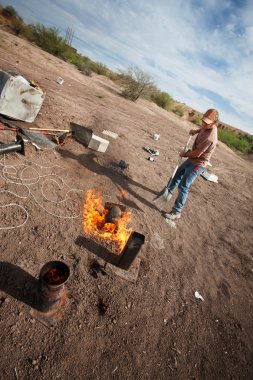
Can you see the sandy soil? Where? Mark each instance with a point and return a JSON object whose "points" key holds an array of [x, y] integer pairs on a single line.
{"points": [[155, 328]]}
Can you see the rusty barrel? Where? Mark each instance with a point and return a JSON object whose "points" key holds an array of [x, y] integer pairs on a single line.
{"points": [[52, 279]]}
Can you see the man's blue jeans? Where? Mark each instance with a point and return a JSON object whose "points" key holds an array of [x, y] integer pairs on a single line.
{"points": [[183, 179]]}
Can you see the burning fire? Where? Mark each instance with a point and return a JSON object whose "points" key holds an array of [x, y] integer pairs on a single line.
{"points": [[54, 276], [95, 224]]}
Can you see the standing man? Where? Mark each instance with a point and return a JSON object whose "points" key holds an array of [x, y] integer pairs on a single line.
{"points": [[197, 159]]}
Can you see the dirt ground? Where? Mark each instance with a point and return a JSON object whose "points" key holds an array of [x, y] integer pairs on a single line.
{"points": [[154, 328]]}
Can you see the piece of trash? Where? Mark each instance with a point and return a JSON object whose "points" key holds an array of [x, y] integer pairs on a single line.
{"points": [[171, 222], [209, 164], [111, 134], [115, 369], [153, 151], [157, 242], [103, 306], [156, 136], [151, 159], [123, 164], [199, 296], [209, 176], [18, 98], [60, 80], [96, 268]]}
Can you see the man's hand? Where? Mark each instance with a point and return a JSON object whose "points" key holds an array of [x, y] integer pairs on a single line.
{"points": [[193, 132]]}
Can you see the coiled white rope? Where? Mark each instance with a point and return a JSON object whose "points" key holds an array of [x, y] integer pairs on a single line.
{"points": [[27, 175]]}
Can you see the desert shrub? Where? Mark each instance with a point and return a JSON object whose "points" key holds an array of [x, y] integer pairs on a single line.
{"points": [[27, 31], [197, 120], [83, 65], [17, 26], [111, 75], [162, 99], [243, 143], [10, 12], [99, 68], [48, 39], [178, 110], [135, 82]]}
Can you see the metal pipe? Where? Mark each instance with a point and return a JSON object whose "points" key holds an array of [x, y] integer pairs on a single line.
{"points": [[17, 146]]}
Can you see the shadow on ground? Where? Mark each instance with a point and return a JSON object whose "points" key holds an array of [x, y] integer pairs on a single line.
{"points": [[120, 180], [18, 283]]}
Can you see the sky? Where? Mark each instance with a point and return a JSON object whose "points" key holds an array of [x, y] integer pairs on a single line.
{"points": [[198, 51]]}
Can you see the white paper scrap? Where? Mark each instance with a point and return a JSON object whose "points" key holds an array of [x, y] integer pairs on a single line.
{"points": [[111, 134], [198, 295]]}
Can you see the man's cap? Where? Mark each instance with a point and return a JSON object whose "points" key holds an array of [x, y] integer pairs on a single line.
{"points": [[210, 116]]}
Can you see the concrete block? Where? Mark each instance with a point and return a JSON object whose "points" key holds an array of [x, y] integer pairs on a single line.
{"points": [[98, 144]]}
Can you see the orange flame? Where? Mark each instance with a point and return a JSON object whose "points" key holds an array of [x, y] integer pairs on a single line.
{"points": [[95, 225]]}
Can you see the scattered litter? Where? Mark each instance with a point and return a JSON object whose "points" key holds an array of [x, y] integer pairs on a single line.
{"points": [[153, 151], [210, 176], [209, 164], [111, 134], [156, 136], [123, 164], [199, 296], [171, 222], [115, 369], [96, 268], [151, 159], [103, 306], [157, 242], [16, 373], [60, 80], [165, 321]]}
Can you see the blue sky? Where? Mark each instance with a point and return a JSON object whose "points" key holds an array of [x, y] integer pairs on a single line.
{"points": [[199, 51]]}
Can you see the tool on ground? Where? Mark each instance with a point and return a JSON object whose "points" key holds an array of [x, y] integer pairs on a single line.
{"points": [[79, 132], [17, 146], [164, 195], [58, 136]]}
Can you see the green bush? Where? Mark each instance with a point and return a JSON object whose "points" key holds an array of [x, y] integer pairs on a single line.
{"points": [[27, 32], [162, 99], [243, 143], [178, 110], [17, 26], [10, 12], [135, 83], [99, 68], [197, 120], [83, 65], [48, 39]]}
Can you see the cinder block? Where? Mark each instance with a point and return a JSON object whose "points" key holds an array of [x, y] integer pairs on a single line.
{"points": [[98, 144]]}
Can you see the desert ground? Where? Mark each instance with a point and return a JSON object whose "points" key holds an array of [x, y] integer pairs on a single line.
{"points": [[153, 328]]}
